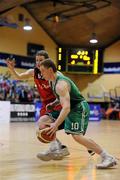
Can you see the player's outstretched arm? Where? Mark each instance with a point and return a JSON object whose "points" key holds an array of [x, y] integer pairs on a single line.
{"points": [[20, 76]]}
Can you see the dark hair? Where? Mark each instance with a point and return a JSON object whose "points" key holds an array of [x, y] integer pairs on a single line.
{"points": [[48, 63], [42, 53]]}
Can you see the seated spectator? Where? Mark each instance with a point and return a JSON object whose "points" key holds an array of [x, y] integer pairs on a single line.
{"points": [[113, 111]]}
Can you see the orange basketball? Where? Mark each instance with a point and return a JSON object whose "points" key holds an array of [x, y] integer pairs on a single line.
{"points": [[44, 137]]}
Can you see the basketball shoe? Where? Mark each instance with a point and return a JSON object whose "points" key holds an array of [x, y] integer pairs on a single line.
{"points": [[50, 155], [107, 162], [62, 148], [56, 151]]}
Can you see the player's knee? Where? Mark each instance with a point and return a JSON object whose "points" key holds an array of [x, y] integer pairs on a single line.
{"points": [[43, 122], [42, 125], [77, 138]]}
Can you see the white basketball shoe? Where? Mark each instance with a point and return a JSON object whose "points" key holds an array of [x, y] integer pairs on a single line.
{"points": [[107, 162], [57, 151]]}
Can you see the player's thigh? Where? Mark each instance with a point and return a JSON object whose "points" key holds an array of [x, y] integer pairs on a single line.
{"points": [[73, 123]]}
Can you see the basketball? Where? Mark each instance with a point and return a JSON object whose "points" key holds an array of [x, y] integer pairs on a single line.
{"points": [[44, 137]]}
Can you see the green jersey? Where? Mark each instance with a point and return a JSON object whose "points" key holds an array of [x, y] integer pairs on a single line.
{"points": [[76, 121], [75, 95]]}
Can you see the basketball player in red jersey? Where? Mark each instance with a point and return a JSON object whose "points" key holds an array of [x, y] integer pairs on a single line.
{"points": [[43, 86], [57, 150]]}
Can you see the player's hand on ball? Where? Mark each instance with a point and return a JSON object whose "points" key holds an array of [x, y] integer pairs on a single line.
{"points": [[53, 128], [42, 135]]}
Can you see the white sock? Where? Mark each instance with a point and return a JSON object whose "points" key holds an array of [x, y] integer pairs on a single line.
{"points": [[60, 144], [104, 154], [54, 145]]}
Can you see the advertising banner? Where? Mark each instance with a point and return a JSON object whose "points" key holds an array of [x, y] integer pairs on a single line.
{"points": [[112, 68], [23, 62], [22, 112], [95, 114]]}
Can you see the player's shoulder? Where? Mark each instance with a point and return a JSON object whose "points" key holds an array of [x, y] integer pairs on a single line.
{"points": [[61, 84], [59, 73]]}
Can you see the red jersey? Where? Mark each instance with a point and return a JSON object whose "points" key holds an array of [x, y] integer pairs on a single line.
{"points": [[45, 91], [43, 87]]}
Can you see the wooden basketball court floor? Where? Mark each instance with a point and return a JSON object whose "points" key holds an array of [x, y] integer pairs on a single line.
{"points": [[19, 146]]}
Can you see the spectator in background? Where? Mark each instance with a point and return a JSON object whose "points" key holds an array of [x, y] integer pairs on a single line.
{"points": [[23, 95], [113, 111], [14, 90]]}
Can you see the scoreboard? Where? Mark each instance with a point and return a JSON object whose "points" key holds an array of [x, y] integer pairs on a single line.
{"points": [[80, 60]]}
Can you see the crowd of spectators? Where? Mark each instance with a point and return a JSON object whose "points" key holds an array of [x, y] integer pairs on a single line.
{"points": [[16, 90]]}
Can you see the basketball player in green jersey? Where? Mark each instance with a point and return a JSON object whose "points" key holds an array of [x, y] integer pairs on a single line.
{"points": [[75, 112]]}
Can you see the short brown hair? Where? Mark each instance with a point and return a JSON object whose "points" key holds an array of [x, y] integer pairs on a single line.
{"points": [[48, 63], [42, 53]]}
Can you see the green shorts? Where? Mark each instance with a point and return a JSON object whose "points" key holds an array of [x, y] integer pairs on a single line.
{"points": [[77, 120]]}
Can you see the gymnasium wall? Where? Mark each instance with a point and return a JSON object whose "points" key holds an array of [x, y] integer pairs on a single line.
{"points": [[112, 53], [15, 41], [104, 82]]}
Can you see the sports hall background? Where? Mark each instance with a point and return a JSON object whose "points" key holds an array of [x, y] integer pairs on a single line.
{"points": [[96, 88], [18, 142]]}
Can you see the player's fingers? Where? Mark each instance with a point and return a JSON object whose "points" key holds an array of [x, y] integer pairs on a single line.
{"points": [[7, 60], [50, 132]]}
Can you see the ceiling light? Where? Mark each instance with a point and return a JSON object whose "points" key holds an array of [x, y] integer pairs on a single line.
{"points": [[27, 25], [93, 39]]}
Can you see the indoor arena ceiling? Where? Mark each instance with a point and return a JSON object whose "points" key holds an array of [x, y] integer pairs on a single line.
{"points": [[72, 22]]}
